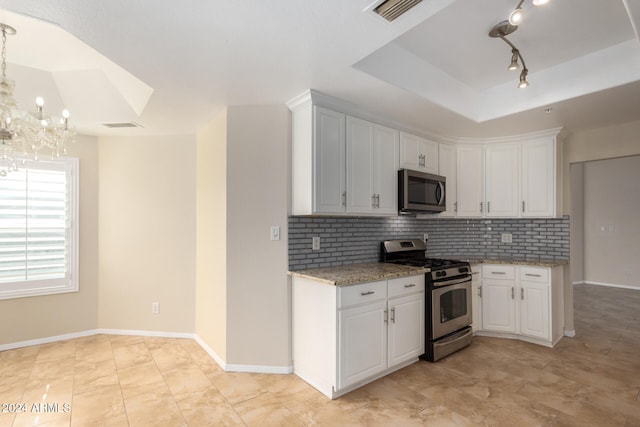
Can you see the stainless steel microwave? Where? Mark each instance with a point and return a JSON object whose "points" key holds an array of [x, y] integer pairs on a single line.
{"points": [[420, 192]]}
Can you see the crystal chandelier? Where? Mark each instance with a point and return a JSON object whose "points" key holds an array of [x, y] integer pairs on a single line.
{"points": [[24, 134]]}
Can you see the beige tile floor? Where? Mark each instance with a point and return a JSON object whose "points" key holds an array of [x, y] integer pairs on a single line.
{"points": [[590, 380]]}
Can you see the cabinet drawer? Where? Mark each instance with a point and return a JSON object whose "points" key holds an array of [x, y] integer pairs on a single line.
{"points": [[406, 285], [501, 272], [534, 274], [362, 293]]}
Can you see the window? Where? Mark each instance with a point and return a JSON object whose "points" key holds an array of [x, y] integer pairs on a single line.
{"points": [[39, 229]]}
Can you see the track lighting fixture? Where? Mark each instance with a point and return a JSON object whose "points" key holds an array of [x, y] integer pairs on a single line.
{"points": [[503, 28]]}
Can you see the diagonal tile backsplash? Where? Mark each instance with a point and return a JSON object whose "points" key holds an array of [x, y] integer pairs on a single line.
{"points": [[347, 240]]}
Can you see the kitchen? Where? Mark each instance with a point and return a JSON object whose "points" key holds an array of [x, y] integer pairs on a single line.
{"points": [[112, 173]]}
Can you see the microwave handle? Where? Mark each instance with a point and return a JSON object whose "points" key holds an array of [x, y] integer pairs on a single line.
{"points": [[440, 191]]}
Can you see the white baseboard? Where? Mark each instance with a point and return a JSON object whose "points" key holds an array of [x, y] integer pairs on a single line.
{"points": [[256, 369], [47, 340], [261, 369], [610, 285]]}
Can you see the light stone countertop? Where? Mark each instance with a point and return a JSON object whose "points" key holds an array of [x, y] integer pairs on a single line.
{"points": [[533, 262], [358, 273]]}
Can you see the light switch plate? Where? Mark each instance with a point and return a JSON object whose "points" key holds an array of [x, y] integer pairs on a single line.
{"points": [[275, 232], [507, 238], [315, 243]]}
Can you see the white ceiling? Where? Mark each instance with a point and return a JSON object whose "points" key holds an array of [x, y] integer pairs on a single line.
{"points": [[171, 66]]}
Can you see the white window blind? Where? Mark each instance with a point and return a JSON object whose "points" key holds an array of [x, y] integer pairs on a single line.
{"points": [[38, 238]]}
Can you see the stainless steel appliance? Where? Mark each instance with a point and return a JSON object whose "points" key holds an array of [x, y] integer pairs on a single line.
{"points": [[447, 297], [420, 192]]}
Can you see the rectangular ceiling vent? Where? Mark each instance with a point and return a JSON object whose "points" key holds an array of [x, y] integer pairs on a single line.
{"points": [[391, 9], [122, 125]]}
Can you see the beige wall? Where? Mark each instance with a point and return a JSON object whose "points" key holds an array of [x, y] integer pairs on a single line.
{"points": [[258, 315], [24, 319], [611, 229], [147, 233], [211, 236], [597, 144]]}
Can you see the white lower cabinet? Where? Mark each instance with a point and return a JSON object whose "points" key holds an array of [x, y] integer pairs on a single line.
{"points": [[522, 302], [363, 331]]}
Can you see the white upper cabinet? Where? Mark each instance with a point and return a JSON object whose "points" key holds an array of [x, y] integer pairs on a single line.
{"points": [[319, 161], [448, 169], [418, 153], [538, 166], [329, 148], [385, 169], [470, 188], [502, 180], [372, 163]]}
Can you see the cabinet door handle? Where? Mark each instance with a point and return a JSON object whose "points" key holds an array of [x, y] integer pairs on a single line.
{"points": [[498, 272], [367, 293], [386, 316], [481, 207], [455, 206], [393, 315], [480, 291], [411, 285], [377, 200], [532, 275], [344, 198], [488, 207], [523, 206], [373, 200], [522, 293], [513, 296]]}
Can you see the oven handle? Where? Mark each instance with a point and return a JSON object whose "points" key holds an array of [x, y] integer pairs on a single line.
{"points": [[453, 281]]}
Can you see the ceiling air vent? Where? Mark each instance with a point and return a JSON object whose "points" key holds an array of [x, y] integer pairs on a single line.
{"points": [[122, 125], [391, 9]]}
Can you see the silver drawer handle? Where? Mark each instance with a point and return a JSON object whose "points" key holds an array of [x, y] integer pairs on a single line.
{"points": [[498, 272], [410, 286], [532, 275], [367, 293]]}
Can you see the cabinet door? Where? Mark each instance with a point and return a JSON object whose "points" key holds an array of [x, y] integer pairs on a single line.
{"points": [[329, 151], [498, 305], [406, 328], [360, 193], [418, 154], [476, 300], [534, 310], [385, 169], [447, 164], [410, 155], [538, 179], [362, 342], [502, 180], [470, 181]]}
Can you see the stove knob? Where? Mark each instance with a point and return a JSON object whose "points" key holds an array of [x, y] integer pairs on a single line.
{"points": [[463, 269], [441, 273]]}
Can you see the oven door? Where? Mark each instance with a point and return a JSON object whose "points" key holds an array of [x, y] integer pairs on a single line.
{"points": [[450, 308]]}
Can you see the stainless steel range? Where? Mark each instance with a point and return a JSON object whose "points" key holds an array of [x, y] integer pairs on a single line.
{"points": [[447, 296]]}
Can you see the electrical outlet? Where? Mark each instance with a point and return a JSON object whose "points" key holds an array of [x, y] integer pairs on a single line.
{"points": [[155, 308], [315, 243], [425, 236], [275, 232], [506, 238]]}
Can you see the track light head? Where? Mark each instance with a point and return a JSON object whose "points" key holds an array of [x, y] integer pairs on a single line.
{"points": [[514, 60], [523, 79], [516, 17], [540, 2]]}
